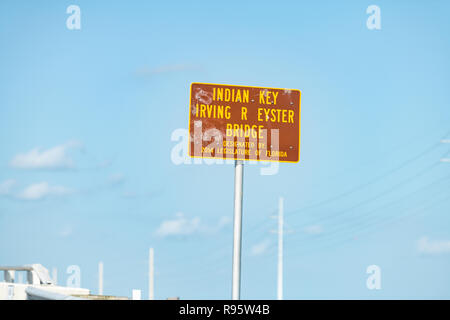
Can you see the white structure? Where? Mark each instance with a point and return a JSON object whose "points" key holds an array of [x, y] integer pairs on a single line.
{"points": [[100, 278], [237, 229], [280, 249], [151, 275], [55, 276], [39, 285], [136, 294]]}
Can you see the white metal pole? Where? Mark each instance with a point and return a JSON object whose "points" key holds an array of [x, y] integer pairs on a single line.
{"points": [[100, 278], [151, 275], [280, 249], [237, 233]]}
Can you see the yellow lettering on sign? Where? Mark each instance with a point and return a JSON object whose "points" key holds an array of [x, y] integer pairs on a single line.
{"points": [[278, 115], [227, 94], [202, 110], [243, 130], [261, 97], [246, 94], [291, 116], [236, 130], [275, 94], [227, 112], [260, 130], [275, 115], [229, 129], [210, 108], [238, 96], [213, 111], [268, 97], [220, 112], [243, 113], [260, 114], [231, 95], [219, 94]]}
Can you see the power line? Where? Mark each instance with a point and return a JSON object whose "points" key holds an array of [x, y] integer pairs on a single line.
{"points": [[335, 215], [387, 221], [372, 181], [343, 228]]}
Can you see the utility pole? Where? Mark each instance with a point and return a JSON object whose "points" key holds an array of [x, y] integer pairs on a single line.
{"points": [[280, 249], [100, 278], [151, 275]]}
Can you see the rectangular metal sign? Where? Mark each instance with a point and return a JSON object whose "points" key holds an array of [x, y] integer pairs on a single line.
{"points": [[244, 123]]}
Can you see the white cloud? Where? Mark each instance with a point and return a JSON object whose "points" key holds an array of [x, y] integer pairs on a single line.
{"points": [[433, 247], [182, 225], [53, 158], [6, 186], [314, 229], [42, 190], [260, 248], [178, 226]]}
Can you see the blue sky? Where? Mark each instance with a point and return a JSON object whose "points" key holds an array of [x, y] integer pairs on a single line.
{"points": [[86, 170]]}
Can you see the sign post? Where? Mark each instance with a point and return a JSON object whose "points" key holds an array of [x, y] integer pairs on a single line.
{"points": [[243, 123], [237, 229]]}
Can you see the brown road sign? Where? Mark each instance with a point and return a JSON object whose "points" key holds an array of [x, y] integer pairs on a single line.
{"points": [[244, 123]]}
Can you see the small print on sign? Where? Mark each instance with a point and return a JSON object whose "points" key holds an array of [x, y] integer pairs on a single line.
{"points": [[244, 123]]}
